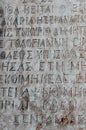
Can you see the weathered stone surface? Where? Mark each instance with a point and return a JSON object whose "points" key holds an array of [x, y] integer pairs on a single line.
{"points": [[43, 65]]}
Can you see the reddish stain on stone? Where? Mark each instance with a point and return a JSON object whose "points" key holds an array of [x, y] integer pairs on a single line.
{"points": [[39, 126]]}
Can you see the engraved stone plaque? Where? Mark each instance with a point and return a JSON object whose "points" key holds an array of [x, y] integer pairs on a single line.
{"points": [[42, 65]]}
